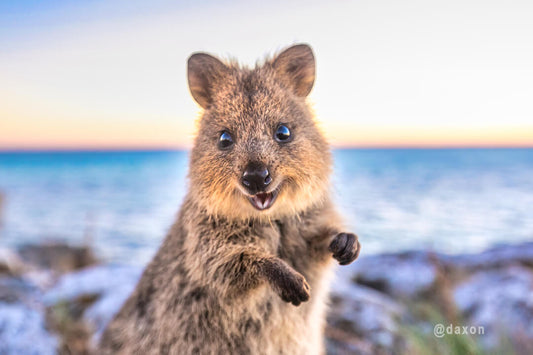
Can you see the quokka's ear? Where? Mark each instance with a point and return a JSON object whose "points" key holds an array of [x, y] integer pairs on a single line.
{"points": [[296, 66], [203, 70]]}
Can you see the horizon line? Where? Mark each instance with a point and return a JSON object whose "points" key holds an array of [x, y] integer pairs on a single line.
{"points": [[111, 149]]}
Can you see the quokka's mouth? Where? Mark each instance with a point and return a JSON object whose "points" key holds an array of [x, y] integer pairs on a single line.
{"points": [[263, 200]]}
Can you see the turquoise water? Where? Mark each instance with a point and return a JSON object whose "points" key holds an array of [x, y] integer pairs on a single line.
{"points": [[452, 200]]}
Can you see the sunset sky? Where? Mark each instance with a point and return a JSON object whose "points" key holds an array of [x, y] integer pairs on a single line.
{"points": [[111, 74]]}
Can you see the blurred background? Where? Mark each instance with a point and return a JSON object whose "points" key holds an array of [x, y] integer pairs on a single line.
{"points": [[426, 104]]}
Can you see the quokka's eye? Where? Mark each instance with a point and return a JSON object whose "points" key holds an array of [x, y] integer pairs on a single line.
{"points": [[225, 141], [283, 134]]}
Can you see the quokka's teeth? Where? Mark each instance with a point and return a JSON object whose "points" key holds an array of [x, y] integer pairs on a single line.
{"points": [[262, 200]]}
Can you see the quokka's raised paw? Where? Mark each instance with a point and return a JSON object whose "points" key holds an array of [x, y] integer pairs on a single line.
{"points": [[345, 248], [289, 284]]}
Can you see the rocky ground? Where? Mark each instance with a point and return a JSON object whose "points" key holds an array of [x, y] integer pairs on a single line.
{"points": [[55, 298]]}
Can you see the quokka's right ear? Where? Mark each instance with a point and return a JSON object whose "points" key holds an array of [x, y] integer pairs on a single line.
{"points": [[296, 66], [203, 70]]}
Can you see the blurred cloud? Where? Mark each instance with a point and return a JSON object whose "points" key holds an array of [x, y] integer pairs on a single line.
{"points": [[112, 73]]}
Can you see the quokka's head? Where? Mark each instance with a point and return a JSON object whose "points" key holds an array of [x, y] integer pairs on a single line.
{"points": [[258, 153]]}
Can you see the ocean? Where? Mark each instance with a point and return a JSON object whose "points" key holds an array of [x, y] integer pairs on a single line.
{"points": [[123, 203]]}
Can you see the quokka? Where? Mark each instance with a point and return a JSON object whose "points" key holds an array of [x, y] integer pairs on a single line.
{"points": [[245, 267]]}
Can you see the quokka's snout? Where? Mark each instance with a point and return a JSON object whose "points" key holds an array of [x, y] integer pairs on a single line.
{"points": [[257, 181], [256, 178]]}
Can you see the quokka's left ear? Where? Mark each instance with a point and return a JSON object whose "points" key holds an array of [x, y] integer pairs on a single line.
{"points": [[203, 72], [296, 67]]}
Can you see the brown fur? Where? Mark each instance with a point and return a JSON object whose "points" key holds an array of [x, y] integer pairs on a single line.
{"points": [[228, 277]]}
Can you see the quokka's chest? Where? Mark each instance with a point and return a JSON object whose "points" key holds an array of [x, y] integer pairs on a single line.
{"points": [[285, 239]]}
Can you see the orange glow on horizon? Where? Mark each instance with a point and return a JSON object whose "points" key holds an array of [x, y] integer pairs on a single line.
{"points": [[163, 135], [432, 137]]}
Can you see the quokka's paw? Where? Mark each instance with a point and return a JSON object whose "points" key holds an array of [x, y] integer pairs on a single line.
{"points": [[345, 248], [288, 283], [293, 288]]}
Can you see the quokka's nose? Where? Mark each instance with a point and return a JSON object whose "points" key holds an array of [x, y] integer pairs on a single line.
{"points": [[256, 178]]}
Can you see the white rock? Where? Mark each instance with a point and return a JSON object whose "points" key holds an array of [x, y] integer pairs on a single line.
{"points": [[105, 308], [99, 280], [367, 313], [112, 284], [499, 256], [499, 300], [401, 275], [22, 331]]}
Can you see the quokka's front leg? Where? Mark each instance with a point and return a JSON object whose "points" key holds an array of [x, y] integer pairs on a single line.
{"points": [[243, 270], [345, 247]]}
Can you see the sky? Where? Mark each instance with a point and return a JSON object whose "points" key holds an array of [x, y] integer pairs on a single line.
{"points": [[111, 74]]}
